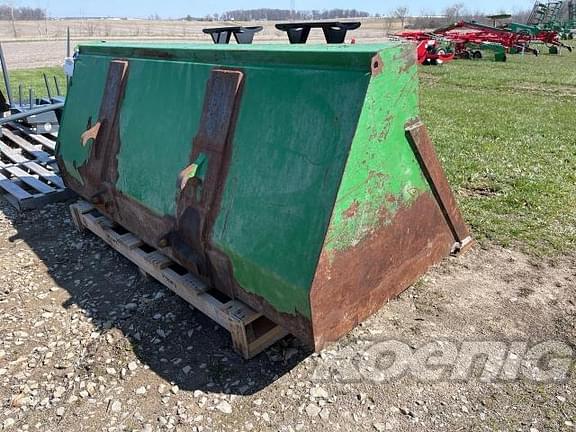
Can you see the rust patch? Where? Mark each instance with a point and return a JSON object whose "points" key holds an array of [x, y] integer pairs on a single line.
{"points": [[224, 281], [351, 211], [154, 54], [198, 201], [409, 58], [100, 171], [381, 130], [132, 215], [377, 65], [419, 139], [352, 284], [217, 127]]}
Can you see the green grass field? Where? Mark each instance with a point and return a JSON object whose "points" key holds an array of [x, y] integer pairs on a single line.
{"points": [[34, 78], [506, 134]]}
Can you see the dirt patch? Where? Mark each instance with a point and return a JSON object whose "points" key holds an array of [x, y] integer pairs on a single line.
{"points": [[479, 191], [31, 55], [87, 344], [546, 89]]}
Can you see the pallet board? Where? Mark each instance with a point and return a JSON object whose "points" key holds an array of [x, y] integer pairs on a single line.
{"points": [[251, 331], [28, 170]]}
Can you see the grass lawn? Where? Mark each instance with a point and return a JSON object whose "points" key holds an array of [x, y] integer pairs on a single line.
{"points": [[506, 134], [34, 78]]}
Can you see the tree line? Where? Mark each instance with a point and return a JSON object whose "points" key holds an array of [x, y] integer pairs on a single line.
{"points": [[21, 13], [283, 15], [408, 18]]}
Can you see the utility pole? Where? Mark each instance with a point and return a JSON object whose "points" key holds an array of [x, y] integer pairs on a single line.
{"points": [[13, 21]]}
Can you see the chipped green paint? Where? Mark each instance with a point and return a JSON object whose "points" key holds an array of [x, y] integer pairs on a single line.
{"points": [[316, 136], [382, 172]]}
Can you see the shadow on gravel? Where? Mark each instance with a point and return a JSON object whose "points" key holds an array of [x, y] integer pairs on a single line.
{"points": [[178, 343]]}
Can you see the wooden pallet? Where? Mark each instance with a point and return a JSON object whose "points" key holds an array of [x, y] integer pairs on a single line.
{"points": [[28, 170], [251, 331]]}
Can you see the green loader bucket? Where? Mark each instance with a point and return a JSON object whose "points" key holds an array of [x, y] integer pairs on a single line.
{"points": [[297, 179]]}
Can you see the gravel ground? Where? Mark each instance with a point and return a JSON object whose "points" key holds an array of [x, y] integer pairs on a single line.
{"points": [[89, 345]]}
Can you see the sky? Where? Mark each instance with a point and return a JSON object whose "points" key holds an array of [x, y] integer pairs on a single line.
{"points": [[181, 8]]}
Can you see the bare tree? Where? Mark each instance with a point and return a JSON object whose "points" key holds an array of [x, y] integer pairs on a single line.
{"points": [[9, 11], [287, 14], [388, 24], [13, 20], [401, 13], [521, 16], [454, 13], [90, 27], [427, 19], [46, 22]]}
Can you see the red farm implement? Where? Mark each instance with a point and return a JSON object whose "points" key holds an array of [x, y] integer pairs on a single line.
{"points": [[431, 50], [465, 33], [455, 44], [552, 40], [459, 45], [469, 39], [515, 38]]}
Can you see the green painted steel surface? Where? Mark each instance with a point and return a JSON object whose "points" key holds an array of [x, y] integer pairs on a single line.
{"points": [[82, 105], [348, 57], [316, 133], [382, 171], [284, 177], [159, 118], [523, 28]]}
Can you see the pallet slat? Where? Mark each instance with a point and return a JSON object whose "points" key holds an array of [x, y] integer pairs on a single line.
{"points": [[34, 150], [46, 174], [236, 317], [29, 185], [29, 179], [29, 170], [40, 139], [13, 189], [159, 260], [130, 241], [12, 154]]}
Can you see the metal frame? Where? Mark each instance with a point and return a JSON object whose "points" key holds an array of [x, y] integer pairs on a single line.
{"points": [[334, 32], [222, 35], [37, 115], [29, 176]]}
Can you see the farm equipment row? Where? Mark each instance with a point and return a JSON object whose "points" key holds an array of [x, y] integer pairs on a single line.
{"points": [[555, 16], [436, 48], [468, 39]]}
